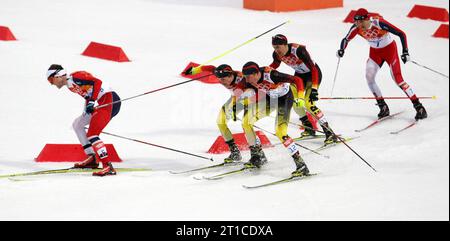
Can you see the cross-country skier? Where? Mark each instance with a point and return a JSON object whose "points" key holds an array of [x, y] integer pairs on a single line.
{"points": [[383, 48], [277, 86], [241, 93], [297, 57], [92, 90]]}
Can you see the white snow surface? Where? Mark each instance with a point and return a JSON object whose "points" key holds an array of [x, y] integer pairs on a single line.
{"points": [[161, 37]]}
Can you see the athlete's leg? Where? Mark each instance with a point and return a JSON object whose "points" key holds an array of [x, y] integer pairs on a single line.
{"points": [[394, 64], [283, 115], [78, 125], [373, 65], [222, 120], [252, 114], [100, 118]]}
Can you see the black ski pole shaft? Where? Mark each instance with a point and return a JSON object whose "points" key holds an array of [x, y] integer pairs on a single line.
{"points": [[242, 44], [430, 69], [152, 91], [343, 141], [159, 146], [272, 29], [303, 126], [304, 147]]}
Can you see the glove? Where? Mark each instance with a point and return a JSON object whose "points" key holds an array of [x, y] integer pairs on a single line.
{"points": [[90, 107], [314, 96], [300, 102], [340, 53], [405, 56]]}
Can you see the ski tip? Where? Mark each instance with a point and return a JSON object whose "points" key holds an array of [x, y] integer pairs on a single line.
{"points": [[13, 179], [433, 97], [197, 178], [212, 178]]}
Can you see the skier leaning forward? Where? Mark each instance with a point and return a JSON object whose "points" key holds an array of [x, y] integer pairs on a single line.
{"points": [[242, 96], [279, 97], [297, 57], [92, 90], [383, 48]]}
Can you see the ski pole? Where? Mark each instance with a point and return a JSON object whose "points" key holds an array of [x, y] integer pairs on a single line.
{"points": [[215, 58], [304, 147], [335, 75], [374, 98], [153, 91], [159, 146], [425, 67], [300, 125], [334, 134], [245, 43], [342, 140]]}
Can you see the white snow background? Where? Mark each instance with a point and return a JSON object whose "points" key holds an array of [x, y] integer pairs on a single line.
{"points": [[161, 37]]}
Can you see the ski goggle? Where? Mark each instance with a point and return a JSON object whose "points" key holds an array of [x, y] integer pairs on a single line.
{"points": [[359, 17], [222, 73]]}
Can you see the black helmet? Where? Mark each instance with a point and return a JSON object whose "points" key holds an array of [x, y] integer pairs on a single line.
{"points": [[279, 39], [223, 70], [250, 68]]}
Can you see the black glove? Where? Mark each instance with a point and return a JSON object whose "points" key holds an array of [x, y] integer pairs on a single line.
{"points": [[405, 56], [90, 107], [188, 71], [314, 96], [340, 53]]}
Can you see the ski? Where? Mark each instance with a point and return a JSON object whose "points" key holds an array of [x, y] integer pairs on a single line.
{"points": [[309, 137], [207, 167], [325, 146], [378, 121], [405, 128], [284, 180], [303, 138], [70, 170], [222, 175]]}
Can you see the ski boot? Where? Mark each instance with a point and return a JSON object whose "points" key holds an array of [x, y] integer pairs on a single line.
{"points": [[235, 155], [257, 159], [107, 170], [302, 169], [329, 136], [309, 129], [421, 112], [384, 109], [89, 163]]}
